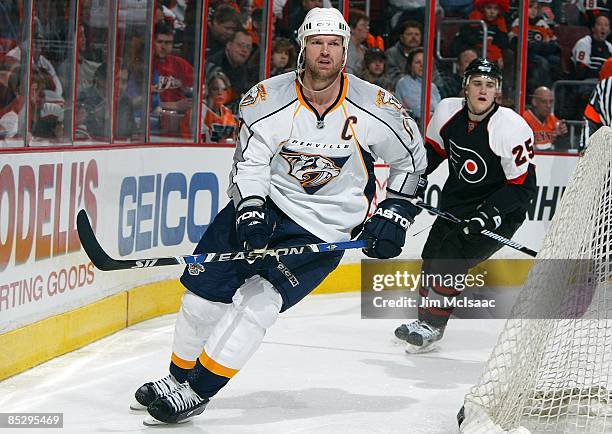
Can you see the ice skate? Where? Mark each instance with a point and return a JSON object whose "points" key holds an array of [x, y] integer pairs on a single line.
{"points": [[178, 407], [149, 392], [422, 337], [402, 332]]}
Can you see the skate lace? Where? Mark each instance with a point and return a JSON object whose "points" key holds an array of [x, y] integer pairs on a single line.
{"points": [[184, 398], [165, 386], [427, 331]]}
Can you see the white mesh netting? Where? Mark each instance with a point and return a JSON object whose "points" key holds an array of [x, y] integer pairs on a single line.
{"points": [[550, 371]]}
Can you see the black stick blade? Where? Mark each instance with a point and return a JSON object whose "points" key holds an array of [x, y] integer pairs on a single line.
{"points": [[93, 249]]}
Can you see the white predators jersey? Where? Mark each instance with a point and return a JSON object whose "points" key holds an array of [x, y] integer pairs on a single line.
{"points": [[320, 171]]}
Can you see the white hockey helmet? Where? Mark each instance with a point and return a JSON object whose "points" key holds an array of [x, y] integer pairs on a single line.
{"points": [[323, 21]]}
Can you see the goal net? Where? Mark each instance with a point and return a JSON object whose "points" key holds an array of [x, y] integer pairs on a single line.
{"points": [[551, 369]]}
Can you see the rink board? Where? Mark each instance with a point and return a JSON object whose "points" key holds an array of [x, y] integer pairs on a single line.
{"points": [[143, 202]]}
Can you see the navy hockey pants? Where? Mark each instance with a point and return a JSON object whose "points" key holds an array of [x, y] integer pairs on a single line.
{"points": [[293, 276]]}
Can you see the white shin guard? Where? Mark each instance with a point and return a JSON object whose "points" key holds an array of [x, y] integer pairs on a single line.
{"points": [[240, 331], [194, 324]]}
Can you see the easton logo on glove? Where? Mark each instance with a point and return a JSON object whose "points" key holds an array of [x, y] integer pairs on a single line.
{"points": [[393, 216], [386, 229]]}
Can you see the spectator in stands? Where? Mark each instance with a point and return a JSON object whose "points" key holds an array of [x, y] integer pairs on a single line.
{"points": [[92, 107], [225, 21], [543, 53], [591, 9], [374, 69], [471, 35], [598, 111], [46, 119], [9, 117], [6, 93], [593, 50], [52, 86], [87, 66], [457, 8], [407, 10], [93, 111], [545, 125], [294, 13], [451, 84], [360, 27], [175, 86], [8, 32], [283, 56], [218, 122], [410, 36], [408, 89], [233, 63]]}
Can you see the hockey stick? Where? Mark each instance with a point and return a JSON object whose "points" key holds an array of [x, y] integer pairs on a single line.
{"points": [[105, 263], [503, 240]]}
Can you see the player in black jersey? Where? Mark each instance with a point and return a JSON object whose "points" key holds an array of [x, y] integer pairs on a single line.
{"points": [[491, 183]]}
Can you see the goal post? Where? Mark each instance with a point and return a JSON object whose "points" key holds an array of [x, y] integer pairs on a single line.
{"points": [[551, 368]]}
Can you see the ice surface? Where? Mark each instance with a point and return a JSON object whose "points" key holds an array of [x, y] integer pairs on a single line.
{"points": [[320, 369]]}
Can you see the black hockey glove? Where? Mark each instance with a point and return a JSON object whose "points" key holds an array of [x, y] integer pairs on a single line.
{"points": [[253, 227], [387, 228], [486, 217]]}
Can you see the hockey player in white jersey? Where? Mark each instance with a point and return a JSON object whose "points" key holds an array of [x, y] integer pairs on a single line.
{"points": [[303, 173], [491, 184]]}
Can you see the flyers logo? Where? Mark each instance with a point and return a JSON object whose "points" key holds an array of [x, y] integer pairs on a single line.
{"points": [[312, 171], [467, 164], [253, 96], [385, 98]]}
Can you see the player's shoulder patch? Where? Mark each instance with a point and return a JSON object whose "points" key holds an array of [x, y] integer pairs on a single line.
{"points": [[386, 98], [256, 94]]}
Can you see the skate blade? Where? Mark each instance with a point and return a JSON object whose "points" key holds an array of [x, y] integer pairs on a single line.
{"points": [[137, 406], [416, 349], [151, 421]]}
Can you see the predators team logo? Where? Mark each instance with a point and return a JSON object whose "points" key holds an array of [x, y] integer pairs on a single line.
{"points": [[253, 96], [312, 171], [385, 98], [467, 164]]}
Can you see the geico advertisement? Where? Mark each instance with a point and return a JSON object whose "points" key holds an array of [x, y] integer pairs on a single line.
{"points": [[141, 202], [553, 173]]}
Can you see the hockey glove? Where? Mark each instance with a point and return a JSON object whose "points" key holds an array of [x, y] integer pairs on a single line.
{"points": [[253, 227], [486, 217], [387, 228]]}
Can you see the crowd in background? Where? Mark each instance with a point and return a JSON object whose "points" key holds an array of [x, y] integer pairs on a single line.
{"points": [[568, 43]]}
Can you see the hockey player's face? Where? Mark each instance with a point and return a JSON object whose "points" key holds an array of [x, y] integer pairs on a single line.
{"points": [[481, 92], [323, 56]]}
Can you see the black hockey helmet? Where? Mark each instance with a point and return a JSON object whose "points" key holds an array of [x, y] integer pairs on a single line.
{"points": [[485, 68]]}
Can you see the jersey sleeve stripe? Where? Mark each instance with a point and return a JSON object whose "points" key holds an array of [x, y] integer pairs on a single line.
{"points": [[519, 179], [388, 126], [436, 147], [591, 114]]}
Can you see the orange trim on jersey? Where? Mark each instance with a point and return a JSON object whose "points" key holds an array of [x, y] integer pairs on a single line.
{"points": [[182, 363], [519, 179], [436, 147], [339, 102], [216, 368], [591, 114]]}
